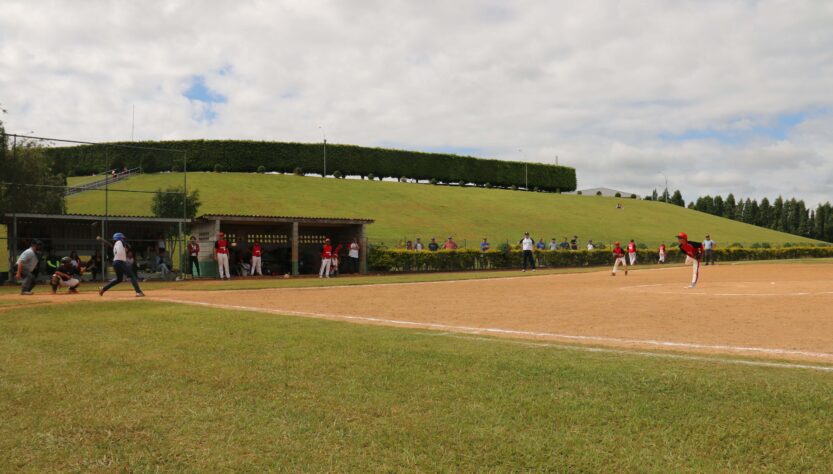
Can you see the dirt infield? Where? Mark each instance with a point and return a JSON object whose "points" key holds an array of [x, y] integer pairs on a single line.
{"points": [[781, 311]]}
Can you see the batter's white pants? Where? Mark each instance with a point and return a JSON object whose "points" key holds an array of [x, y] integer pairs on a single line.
{"points": [[222, 265], [632, 256], [325, 267], [256, 266], [662, 257], [619, 261], [695, 268]]}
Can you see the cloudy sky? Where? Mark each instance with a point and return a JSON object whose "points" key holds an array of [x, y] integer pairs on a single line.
{"points": [[719, 96]]}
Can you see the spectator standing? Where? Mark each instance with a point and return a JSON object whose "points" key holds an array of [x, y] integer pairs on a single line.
{"points": [[326, 259], [662, 253], [527, 246], [27, 263], [257, 257], [632, 252], [565, 245], [553, 244], [484, 246], [450, 244], [353, 254], [433, 245], [574, 243], [590, 245], [193, 256], [221, 255], [409, 245], [708, 247], [541, 245], [160, 243], [418, 245]]}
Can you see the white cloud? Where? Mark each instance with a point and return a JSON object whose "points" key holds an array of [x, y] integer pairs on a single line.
{"points": [[623, 91]]}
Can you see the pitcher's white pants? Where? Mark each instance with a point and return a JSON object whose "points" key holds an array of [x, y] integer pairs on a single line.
{"points": [[619, 261], [222, 265], [632, 256], [695, 269], [325, 267], [256, 266], [662, 257]]}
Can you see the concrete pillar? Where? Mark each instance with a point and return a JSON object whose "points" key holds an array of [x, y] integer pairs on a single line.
{"points": [[362, 251], [296, 254]]}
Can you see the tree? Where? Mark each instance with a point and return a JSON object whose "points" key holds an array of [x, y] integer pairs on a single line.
{"points": [[730, 207], [654, 195], [717, 206], [677, 199], [168, 203], [764, 214], [29, 183], [777, 222]]}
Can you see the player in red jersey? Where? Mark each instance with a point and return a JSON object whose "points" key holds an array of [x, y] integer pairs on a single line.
{"points": [[662, 253], [632, 252], [693, 252], [326, 259], [619, 259], [221, 248], [257, 252]]}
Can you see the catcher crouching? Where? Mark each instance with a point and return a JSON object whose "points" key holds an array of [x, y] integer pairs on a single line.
{"points": [[64, 276]]}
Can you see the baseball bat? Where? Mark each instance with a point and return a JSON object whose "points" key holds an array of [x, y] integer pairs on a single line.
{"points": [[98, 237]]}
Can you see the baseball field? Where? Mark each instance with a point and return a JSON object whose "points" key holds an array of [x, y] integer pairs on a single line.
{"points": [[501, 371]]}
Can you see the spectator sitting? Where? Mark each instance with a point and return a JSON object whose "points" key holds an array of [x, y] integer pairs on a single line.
{"points": [[433, 245], [130, 260], [163, 264], [418, 245], [574, 243], [450, 244], [77, 267], [94, 265], [409, 245], [564, 244], [484, 246], [541, 245], [553, 244], [590, 245]]}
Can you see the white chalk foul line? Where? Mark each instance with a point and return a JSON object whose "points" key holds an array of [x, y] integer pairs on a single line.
{"points": [[510, 332]]}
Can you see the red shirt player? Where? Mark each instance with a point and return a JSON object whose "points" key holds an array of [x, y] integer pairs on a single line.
{"points": [[619, 259], [221, 255], [693, 252], [662, 253], [326, 259], [257, 264], [632, 252]]}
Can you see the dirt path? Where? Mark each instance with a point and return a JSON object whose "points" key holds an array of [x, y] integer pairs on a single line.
{"points": [[781, 311]]}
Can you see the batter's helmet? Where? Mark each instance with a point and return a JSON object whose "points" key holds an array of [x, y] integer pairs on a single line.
{"points": [[618, 244], [118, 236], [682, 235]]}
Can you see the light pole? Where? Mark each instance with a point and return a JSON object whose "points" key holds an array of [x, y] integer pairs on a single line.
{"points": [[665, 192], [324, 134]]}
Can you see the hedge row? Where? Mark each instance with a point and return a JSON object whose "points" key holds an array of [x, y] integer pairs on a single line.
{"points": [[249, 156], [396, 260]]}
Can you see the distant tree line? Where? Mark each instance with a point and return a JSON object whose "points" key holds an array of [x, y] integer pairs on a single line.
{"points": [[792, 216]]}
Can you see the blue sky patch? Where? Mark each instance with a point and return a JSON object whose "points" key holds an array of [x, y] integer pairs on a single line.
{"points": [[200, 93], [775, 129]]}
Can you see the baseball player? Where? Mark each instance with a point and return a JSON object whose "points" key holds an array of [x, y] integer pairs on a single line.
{"points": [[326, 259], [528, 246], [662, 253], [121, 267], [693, 252], [65, 276], [257, 253], [632, 252], [27, 263], [194, 256], [619, 259], [221, 250]]}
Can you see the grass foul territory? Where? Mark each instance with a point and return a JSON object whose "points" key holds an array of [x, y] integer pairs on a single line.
{"points": [[407, 210], [146, 386]]}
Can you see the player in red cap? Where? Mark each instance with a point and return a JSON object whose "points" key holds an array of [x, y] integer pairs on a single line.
{"points": [[693, 252], [619, 259], [221, 249]]}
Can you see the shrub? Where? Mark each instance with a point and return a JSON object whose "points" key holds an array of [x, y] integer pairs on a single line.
{"points": [[641, 246], [488, 185], [578, 192], [598, 193], [513, 187], [403, 179], [633, 196], [787, 245], [218, 168], [618, 194], [536, 189], [337, 174], [298, 171], [371, 176], [261, 169], [736, 245], [433, 181], [176, 167]]}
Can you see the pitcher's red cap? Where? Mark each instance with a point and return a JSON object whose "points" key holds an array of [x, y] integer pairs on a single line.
{"points": [[682, 235]]}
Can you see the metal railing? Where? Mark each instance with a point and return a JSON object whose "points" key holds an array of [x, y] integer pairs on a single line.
{"points": [[108, 179]]}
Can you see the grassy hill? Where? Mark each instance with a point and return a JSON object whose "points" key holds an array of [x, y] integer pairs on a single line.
{"points": [[405, 210]]}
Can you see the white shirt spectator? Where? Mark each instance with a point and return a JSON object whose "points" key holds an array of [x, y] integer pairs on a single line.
{"points": [[708, 244], [354, 250], [590, 247], [528, 244], [553, 245]]}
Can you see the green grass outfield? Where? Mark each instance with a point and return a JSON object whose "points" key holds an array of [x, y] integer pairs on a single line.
{"points": [[147, 386], [405, 210]]}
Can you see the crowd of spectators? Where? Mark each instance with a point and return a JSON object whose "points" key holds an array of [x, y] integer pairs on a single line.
{"points": [[541, 245]]}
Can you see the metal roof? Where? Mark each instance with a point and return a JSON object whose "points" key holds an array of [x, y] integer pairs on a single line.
{"points": [[285, 219]]}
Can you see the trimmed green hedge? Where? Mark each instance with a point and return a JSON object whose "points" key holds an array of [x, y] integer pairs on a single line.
{"points": [[249, 156], [396, 260]]}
